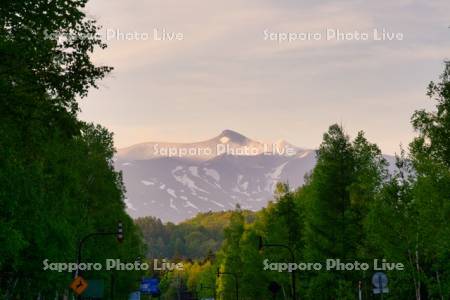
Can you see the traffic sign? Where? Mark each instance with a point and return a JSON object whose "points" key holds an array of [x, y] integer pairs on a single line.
{"points": [[79, 285], [380, 282], [96, 289], [380, 291], [150, 286]]}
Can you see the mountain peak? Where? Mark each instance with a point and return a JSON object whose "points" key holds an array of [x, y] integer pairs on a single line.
{"points": [[228, 142], [230, 136]]}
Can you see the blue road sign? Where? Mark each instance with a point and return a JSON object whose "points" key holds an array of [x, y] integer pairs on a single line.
{"points": [[150, 286], [380, 282]]}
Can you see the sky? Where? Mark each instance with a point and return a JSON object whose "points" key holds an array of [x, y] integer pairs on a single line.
{"points": [[186, 70]]}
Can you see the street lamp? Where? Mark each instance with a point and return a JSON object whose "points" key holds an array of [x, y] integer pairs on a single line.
{"points": [[119, 234], [262, 245]]}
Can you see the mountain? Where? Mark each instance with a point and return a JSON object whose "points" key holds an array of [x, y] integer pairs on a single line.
{"points": [[175, 181], [228, 142]]}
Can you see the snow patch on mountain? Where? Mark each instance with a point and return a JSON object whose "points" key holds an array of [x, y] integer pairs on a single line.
{"points": [[194, 171], [172, 205], [129, 205], [145, 182], [190, 204], [171, 193], [212, 173], [218, 204], [276, 172]]}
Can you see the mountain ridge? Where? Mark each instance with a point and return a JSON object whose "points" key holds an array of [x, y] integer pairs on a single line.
{"points": [[228, 141], [175, 188]]}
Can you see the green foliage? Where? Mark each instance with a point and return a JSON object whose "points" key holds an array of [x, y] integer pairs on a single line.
{"points": [[414, 206], [337, 196], [231, 261], [58, 184], [57, 179], [391, 226], [195, 238], [46, 46]]}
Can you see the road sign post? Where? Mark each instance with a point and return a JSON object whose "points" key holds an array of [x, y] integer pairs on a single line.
{"points": [[274, 288], [359, 290], [380, 282]]}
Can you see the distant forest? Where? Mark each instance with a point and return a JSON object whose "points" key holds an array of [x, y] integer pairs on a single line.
{"points": [[192, 239]]}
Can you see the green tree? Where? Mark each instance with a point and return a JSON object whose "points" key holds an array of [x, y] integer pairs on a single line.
{"points": [[343, 183], [56, 172], [231, 261], [430, 155], [409, 220]]}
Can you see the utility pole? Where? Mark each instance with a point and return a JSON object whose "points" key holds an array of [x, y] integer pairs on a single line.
{"points": [[119, 235], [263, 245]]}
